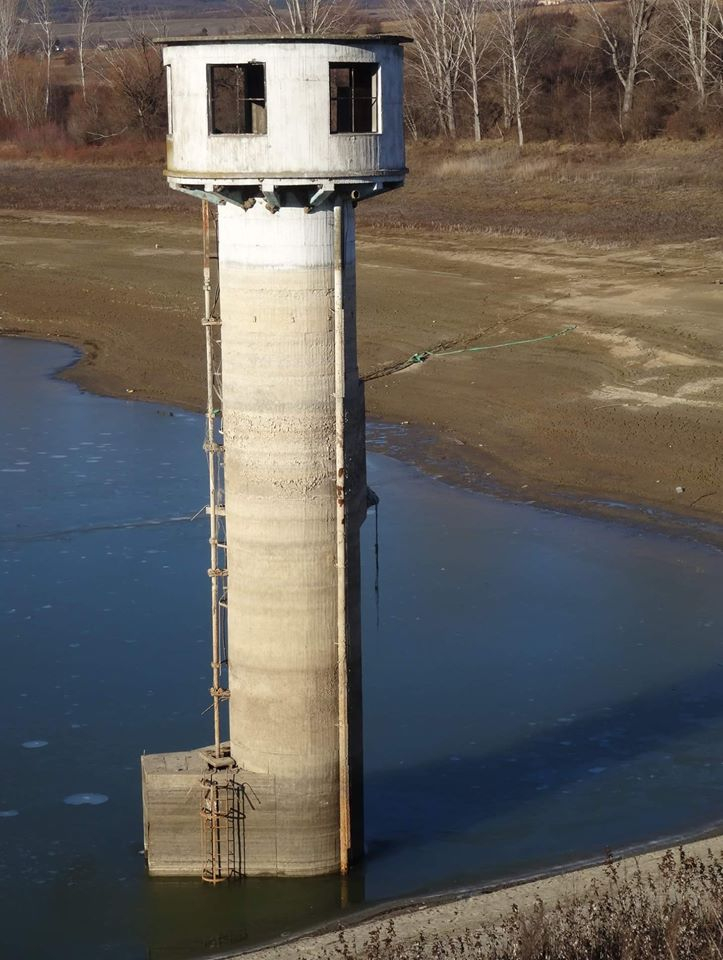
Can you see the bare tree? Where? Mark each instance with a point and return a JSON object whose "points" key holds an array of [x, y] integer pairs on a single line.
{"points": [[303, 16], [9, 29], [505, 84], [518, 42], [692, 39], [10, 34], [438, 53], [585, 81], [85, 12], [135, 73], [410, 121], [626, 44], [476, 44], [28, 79], [42, 13]]}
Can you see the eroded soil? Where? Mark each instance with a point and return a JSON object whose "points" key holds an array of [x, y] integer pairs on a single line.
{"points": [[627, 406]]}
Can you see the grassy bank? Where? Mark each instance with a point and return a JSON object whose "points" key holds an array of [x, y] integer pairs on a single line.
{"points": [[660, 191]]}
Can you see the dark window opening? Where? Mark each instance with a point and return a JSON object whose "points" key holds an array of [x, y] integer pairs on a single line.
{"points": [[169, 98], [237, 97], [353, 90]]}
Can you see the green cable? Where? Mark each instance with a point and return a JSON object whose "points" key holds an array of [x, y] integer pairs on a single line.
{"points": [[421, 357]]}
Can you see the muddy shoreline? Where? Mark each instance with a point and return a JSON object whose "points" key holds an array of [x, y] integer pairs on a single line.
{"points": [[441, 458], [621, 418]]}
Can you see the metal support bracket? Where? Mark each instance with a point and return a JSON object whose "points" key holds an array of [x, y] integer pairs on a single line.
{"points": [[201, 194], [236, 196], [268, 190], [326, 190], [367, 190]]}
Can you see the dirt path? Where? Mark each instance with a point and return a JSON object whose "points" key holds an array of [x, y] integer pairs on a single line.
{"points": [[625, 407]]}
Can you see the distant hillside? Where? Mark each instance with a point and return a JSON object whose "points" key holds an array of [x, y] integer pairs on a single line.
{"points": [[174, 17], [66, 11]]}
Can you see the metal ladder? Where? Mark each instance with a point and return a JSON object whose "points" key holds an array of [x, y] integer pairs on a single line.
{"points": [[220, 810], [221, 822]]}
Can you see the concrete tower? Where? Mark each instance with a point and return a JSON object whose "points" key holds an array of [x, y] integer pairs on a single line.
{"points": [[280, 136]]}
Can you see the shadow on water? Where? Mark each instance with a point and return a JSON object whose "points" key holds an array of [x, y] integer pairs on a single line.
{"points": [[411, 805]]}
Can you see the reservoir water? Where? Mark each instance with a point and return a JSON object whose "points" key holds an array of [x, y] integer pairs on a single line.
{"points": [[539, 687]]}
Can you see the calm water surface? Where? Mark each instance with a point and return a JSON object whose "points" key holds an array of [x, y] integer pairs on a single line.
{"points": [[538, 687]]}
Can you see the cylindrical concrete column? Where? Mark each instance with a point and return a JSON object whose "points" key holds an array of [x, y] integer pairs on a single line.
{"points": [[276, 276]]}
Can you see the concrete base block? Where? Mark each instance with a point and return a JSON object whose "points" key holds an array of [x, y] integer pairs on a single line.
{"points": [[173, 825]]}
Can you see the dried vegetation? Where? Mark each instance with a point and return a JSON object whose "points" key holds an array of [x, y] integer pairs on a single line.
{"points": [[676, 914], [659, 191]]}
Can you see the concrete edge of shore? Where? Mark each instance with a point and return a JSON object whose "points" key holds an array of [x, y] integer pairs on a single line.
{"points": [[450, 914]]}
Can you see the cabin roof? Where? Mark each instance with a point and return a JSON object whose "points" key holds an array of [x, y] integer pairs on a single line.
{"points": [[284, 38]]}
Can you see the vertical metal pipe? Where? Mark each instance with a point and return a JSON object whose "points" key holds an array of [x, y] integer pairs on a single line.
{"points": [[340, 396], [210, 447]]}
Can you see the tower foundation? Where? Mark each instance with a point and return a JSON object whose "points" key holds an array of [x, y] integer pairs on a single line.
{"points": [[178, 812]]}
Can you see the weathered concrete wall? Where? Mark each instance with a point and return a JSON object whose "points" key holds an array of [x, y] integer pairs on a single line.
{"points": [[277, 309], [298, 142], [172, 825], [171, 784]]}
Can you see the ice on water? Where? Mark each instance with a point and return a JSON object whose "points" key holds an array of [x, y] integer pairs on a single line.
{"points": [[92, 799]]}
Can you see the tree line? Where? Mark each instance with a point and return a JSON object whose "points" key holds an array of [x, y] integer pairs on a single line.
{"points": [[592, 70], [518, 69]]}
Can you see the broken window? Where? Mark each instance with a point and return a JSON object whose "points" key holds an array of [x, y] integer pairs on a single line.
{"points": [[354, 99], [237, 98]]}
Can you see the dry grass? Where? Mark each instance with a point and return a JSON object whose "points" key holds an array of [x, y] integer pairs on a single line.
{"points": [[661, 191], [49, 142], [656, 191], [674, 915], [61, 185]]}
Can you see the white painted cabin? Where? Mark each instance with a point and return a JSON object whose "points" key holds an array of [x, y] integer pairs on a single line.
{"points": [[285, 110]]}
